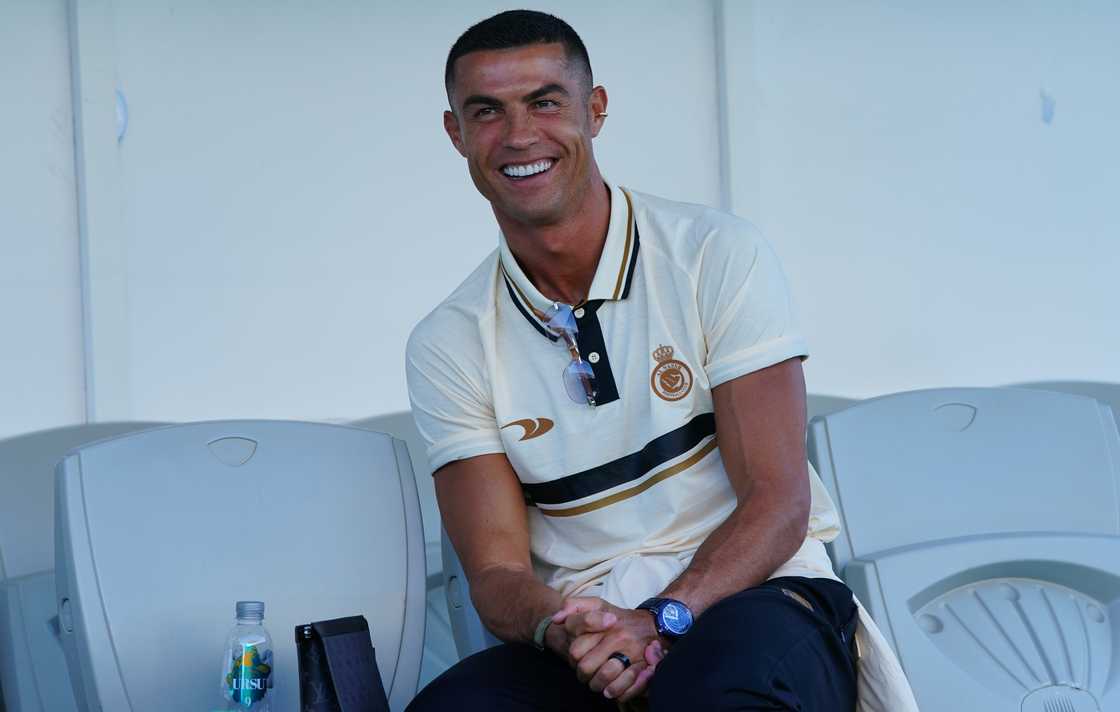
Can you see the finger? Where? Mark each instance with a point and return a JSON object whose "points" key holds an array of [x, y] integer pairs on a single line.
{"points": [[654, 652], [597, 657], [590, 622], [623, 681], [639, 686], [578, 604], [582, 645], [607, 673]]}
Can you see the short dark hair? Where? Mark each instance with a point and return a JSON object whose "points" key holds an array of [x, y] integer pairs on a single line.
{"points": [[517, 28]]}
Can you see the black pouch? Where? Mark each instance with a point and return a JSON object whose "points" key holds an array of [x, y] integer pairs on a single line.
{"points": [[337, 667]]}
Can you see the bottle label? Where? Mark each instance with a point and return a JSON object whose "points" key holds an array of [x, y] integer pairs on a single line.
{"points": [[249, 676]]}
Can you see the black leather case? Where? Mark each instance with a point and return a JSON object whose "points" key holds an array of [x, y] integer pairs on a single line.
{"points": [[338, 668]]}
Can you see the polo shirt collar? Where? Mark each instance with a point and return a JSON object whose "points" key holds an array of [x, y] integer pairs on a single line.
{"points": [[613, 274]]}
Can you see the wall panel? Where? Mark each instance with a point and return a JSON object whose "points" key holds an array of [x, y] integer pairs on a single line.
{"points": [[41, 383]]}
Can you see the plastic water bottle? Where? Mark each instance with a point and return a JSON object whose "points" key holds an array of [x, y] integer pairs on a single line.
{"points": [[247, 671]]}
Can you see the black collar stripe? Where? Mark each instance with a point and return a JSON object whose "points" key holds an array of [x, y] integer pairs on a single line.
{"points": [[625, 469], [521, 307], [633, 264], [622, 285]]}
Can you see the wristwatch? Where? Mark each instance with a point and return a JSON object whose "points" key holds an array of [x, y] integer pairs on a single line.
{"points": [[671, 617]]}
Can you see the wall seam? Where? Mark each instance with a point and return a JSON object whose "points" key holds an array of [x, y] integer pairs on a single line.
{"points": [[88, 380], [724, 142]]}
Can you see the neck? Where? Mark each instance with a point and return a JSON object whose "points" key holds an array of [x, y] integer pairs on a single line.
{"points": [[560, 259]]}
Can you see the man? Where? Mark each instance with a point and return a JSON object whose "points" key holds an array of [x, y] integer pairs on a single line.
{"points": [[572, 392]]}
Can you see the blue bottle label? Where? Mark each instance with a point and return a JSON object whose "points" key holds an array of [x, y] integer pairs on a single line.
{"points": [[249, 677]]}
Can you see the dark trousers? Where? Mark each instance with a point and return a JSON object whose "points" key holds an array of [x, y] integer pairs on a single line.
{"points": [[784, 645]]}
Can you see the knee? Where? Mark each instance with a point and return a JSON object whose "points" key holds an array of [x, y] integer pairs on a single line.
{"points": [[720, 665], [708, 680], [450, 692]]}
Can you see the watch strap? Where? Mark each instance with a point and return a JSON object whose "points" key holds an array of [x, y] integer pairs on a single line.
{"points": [[653, 605], [657, 604], [538, 634]]}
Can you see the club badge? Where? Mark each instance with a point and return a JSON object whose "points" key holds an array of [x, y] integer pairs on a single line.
{"points": [[671, 379]]}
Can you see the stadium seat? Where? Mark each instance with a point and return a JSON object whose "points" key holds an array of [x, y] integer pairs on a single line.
{"points": [[439, 642], [33, 674], [981, 532], [160, 532]]}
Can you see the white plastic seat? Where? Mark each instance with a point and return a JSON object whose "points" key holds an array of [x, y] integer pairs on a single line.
{"points": [[982, 532], [33, 675], [1107, 393], [439, 642], [159, 533]]}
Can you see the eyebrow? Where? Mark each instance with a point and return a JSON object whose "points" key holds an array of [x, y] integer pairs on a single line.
{"points": [[531, 96], [544, 91]]}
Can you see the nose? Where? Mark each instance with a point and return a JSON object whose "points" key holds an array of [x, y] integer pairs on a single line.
{"points": [[521, 133]]}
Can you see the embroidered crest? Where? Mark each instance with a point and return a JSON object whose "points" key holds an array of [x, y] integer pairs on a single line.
{"points": [[671, 379]]}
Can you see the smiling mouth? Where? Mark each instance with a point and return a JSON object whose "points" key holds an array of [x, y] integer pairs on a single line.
{"points": [[521, 171]]}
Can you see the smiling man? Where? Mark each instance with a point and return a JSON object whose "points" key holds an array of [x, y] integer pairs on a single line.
{"points": [[614, 408]]}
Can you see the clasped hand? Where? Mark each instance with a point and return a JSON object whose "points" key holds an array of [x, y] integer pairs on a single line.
{"points": [[587, 630]]}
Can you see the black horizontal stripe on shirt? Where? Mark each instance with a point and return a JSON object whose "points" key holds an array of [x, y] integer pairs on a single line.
{"points": [[625, 469]]}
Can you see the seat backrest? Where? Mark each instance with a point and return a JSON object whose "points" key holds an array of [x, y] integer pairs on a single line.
{"points": [[1106, 393], [454, 627], [33, 674], [439, 641], [1001, 460], [982, 531], [401, 426], [27, 465], [159, 533]]}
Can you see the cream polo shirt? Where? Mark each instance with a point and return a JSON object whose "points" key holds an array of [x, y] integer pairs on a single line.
{"points": [[620, 495]]}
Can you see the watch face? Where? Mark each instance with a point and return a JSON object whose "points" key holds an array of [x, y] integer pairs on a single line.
{"points": [[676, 618]]}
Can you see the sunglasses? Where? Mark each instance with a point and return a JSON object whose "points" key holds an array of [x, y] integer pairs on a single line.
{"points": [[579, 378]]}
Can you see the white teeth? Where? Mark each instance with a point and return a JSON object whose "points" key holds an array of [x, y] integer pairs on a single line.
{"points": [[527, 170]]}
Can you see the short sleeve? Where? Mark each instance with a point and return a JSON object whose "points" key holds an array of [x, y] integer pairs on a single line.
{"points": [[745, 306], [448, 390]]}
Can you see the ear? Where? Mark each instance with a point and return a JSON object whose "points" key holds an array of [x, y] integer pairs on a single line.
{"points": [[451, 126], [597, 104]]}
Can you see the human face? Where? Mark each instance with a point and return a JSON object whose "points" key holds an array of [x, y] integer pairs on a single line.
{"points": [[524, 121]]}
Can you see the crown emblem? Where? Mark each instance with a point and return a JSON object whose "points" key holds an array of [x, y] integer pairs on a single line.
{"points": [[671, 379]]}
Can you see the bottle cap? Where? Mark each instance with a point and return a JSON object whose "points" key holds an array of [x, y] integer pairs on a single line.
{"points": [[250, 610]]}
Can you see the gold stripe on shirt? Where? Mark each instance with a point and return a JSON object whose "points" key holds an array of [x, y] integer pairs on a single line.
{"points": [[635, 490], [626, 246], [524, 300]]}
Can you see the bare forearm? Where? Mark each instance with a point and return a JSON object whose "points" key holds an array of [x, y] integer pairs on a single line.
{"points": [[512, 601], [741, 552]]}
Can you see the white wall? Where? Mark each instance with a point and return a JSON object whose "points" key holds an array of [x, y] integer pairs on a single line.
{"points": [[292, 206], [938, 230], [41, 383], [285, 205]]}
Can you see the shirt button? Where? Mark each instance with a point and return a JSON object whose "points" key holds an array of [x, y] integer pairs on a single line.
{"points": [[579, 313], [593, 357]]}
